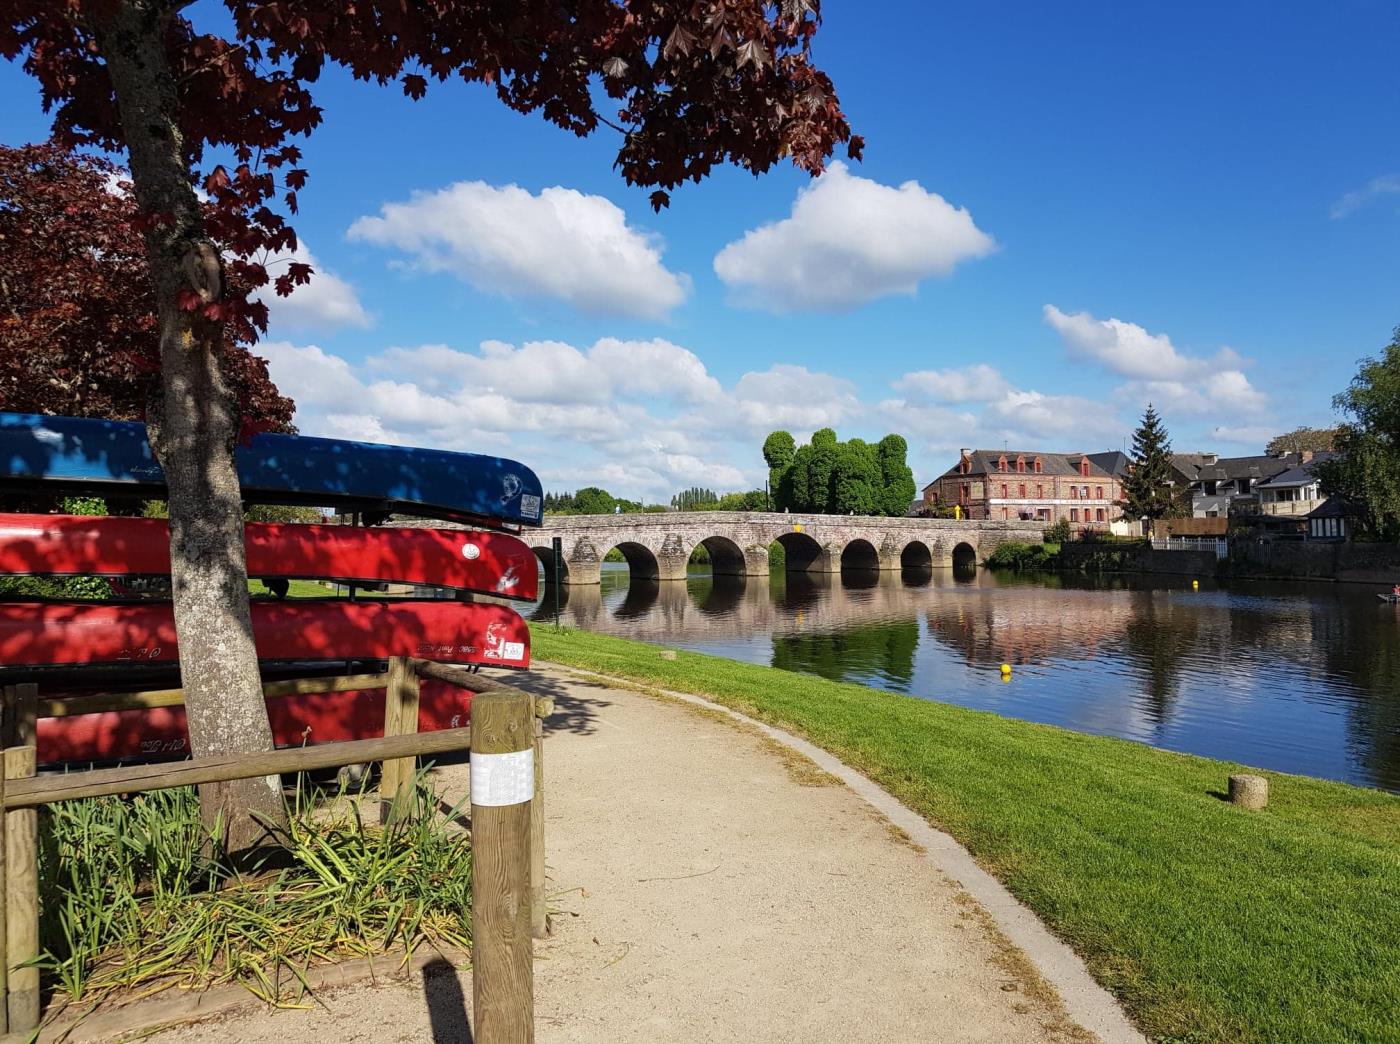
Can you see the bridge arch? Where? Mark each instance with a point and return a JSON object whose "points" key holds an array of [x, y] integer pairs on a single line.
{"points": [[641, 561], [800, 551], [726, 556], [964, 557], [860, 554], [916, 555], [548, 564]]}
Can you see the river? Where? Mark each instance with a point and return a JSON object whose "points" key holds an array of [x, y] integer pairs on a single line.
{"points": [[1295, 677]]}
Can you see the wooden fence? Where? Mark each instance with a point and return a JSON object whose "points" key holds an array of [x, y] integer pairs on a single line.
{"points": [[507, 818]]}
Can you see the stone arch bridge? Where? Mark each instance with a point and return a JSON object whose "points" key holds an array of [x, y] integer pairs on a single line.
{"points": [[658, 546]]}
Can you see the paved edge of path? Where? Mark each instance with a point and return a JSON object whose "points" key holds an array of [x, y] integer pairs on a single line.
{"points": [[1085, 1001]]}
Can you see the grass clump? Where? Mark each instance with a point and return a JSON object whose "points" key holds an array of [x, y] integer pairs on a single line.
{"points": [[136, 898], [1210, 923]]}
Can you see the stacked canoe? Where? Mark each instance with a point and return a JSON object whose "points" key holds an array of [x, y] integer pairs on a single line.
{"points": [[77, 650]]}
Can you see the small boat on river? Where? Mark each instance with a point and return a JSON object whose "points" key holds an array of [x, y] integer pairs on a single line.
{"points": [[1389, 596]]}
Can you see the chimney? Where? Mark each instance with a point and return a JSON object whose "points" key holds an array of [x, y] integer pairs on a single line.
{"points": [[1308, 456]]}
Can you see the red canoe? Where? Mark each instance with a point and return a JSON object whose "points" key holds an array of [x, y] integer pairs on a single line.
{"points": [[39, 634], [80, 545], [306, 718]]}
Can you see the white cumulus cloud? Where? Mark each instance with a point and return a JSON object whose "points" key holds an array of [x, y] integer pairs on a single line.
{"points": [[1128, 350], [1158, 372], [976, 383], [640, 418], [324, 303], [553, 371], [794, 397], [849, 240], [559, 244]]}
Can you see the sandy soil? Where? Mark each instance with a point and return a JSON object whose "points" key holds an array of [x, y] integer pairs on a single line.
{"points": [[711, 886]]}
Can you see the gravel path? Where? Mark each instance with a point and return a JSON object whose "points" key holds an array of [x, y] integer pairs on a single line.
{"points": [[712, 886]]}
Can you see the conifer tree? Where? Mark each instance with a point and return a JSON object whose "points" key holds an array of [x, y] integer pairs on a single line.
{"points": [[1149, 488]]}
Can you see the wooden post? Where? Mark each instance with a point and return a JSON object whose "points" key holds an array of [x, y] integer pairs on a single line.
{"points": [[7, 717], [4, 909], [26, 716], [21, 901], [502, 785], [539, 911], [400, 719]]}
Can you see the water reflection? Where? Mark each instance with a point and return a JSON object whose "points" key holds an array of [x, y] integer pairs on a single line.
{"points": [[1301, 678]]}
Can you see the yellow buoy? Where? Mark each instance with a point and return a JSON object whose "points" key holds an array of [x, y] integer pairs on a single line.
{"points": [[1195, 585], [1005, 669]]}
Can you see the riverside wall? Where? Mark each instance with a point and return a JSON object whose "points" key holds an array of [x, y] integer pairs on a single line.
{"points": [[1135, 558], [1345, 561]]}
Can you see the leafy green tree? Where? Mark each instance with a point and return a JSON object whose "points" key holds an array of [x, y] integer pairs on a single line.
{"points": [[780, 451], [1368, 471], [827, 476], [753, 500], [1148, 489], [799, 480], [591, 500], [1301, 440], [821, 471], [896, 475], [857, 485], [696, 498]]}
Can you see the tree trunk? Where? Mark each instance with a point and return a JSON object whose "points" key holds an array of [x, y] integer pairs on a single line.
{"points": [[193, 427]]}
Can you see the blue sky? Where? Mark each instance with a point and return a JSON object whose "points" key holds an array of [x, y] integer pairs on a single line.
{"points": [[1193, 203]]}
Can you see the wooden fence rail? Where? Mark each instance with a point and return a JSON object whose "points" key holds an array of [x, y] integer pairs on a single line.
{"points": [[507, 824]]}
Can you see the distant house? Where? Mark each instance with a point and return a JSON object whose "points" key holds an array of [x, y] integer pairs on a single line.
{"points": [[1334, 519], [1221, 486], [1297, 491], [1030, 485]]}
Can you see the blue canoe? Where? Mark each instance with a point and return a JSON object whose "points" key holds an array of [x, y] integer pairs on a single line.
{"points": [[104, 457]]}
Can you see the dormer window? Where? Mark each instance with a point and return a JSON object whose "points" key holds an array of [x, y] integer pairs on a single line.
{"points": [[1038, 466], [1001, 464], [1020, 465], [1084, 467]]}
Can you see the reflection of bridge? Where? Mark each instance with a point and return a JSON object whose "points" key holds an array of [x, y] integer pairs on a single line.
{"points": [[658, 546], [738, 607]]}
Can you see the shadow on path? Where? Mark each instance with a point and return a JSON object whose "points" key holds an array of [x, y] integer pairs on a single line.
{"points": [[447, 1007]]}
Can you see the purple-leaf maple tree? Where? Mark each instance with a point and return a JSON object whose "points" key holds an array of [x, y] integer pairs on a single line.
{"points": [[77, 311], [688, 85]]}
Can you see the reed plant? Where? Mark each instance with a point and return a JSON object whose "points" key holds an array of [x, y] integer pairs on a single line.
{"points": [[137, 897]]}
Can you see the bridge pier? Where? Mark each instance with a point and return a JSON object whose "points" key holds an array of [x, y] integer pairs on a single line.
{"points": [[673, 559], [756, 561], [828, 560], [583, 564], [889, 552]]}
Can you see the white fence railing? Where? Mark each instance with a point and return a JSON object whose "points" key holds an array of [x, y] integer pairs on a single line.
{"points": [[1220, 547]]}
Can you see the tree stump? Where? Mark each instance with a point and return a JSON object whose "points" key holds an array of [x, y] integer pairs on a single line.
{"points": [[1249, 791]]}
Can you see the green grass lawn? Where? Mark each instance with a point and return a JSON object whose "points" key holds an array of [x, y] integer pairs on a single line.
{"points": [[1208, 922], [295, 589]]}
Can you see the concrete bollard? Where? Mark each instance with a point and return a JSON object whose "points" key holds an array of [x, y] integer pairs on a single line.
{"points": [[1248, 791]]}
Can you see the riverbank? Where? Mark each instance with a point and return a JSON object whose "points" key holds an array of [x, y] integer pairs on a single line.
{"points": [[1305, 560], [1211, 924]]}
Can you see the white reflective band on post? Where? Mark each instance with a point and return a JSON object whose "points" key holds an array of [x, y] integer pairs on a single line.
{"points": [[503, 779]]}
